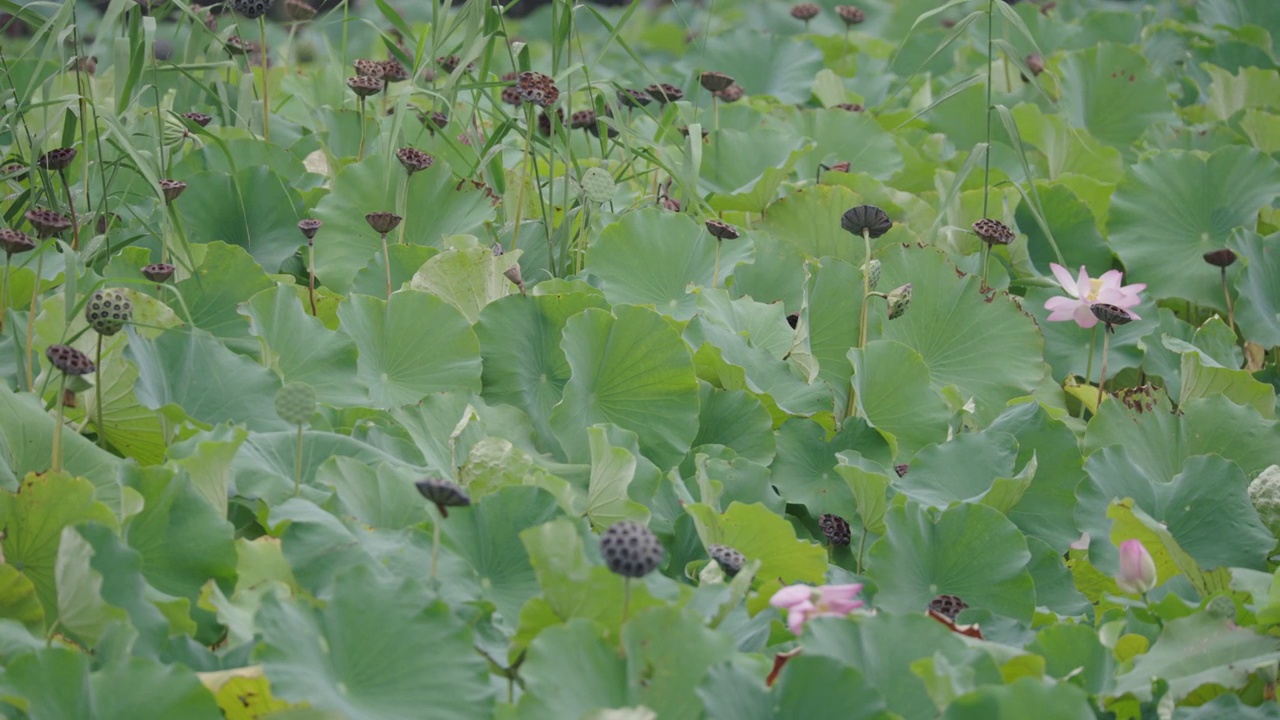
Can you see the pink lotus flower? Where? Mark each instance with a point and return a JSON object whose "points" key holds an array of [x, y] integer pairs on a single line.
{"points": [[1137, 569], [1085, 291], [803, 602]]}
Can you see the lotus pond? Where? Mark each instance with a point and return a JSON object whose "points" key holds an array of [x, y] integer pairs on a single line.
{"points": [[727, 360]]}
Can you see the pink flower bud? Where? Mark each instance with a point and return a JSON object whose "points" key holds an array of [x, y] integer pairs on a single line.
{"points": [[1137, 569]]}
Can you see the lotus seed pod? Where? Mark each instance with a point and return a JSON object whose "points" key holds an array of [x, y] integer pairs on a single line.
{"points": [[365, 67], [866, 218], [513, 274], [296, 403], [850, 14], [948, 606], [629, 97], [899, 300], [993, 232], [630, 549], [414, 159], [729, 560], [722, 230], [536, 88], [14, 171], [365, 85], [198, 118], [443, 494], [309, 228], [58, 159], [299, 10], [393, 71], [733, 93], [1035, 63], [69, 360], [107, 311], [383, 222], [1110, 315], [872, 271], [252, 9], [1222, 258], [715, 81], [849, 107], [664, 93], [835, 529], [1264, 493], [237, 45], [598, 185], [171, 189], [15, 242], [805, 11], [47, 222], [1221, 606], [158, 272], [582, 119]]}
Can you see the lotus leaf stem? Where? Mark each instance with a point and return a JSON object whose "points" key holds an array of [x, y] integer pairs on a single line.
{"points": [[32, 311], [97, 393], [297, 465], [1231, 310], [56, 462], [1088, 373], [266, 93], [1102, 378], [386, 259]]}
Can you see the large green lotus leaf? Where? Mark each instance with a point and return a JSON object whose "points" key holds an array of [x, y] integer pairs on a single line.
{"points": [[736, 420], [1111, 91], [18, 600], [894, 392], [1067, 345], [206, 457], [1159, 440], [302, 350], [444, 426], [763, 535], [959, 470], [810, 686], [1198, 650], [1202, 377], [411, 346], [487, 537], [373, 651], [225, 277], [1252, 87], [1075, 230], [832, 313], [247, 151], [406, 260], [254, 208], [1067, 150], [523, 363], [629, 368], [842, 136], [26, 446], [763, 63], [805, 469], [668, 651], [380, 496], [1258, 282], [743, 169], [33, 519], [570, 671], [990, 350], [468, 276], [736, 691], [82, 612], [612, 470], [1045, 509], [1231, 706], [777, 275], [192, 374], [650, 257], [263, 467], [967, 550], [184, 542], [1205, 507], [730, 479], [1055, 585], [1076, 654], [809, 221], [56, 683], [1024, 698], [1174, 206], [885, 646], [436, 208]]}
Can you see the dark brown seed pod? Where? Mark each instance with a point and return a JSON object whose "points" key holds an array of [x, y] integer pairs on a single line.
{"points": [[582, 119], [1222, 258], [436, 118], [630, 97], [365, 85], [835, 529], [106, 221], [14, 171], [237, 45], [1110, 315], [198, 118], [536, 88], [15, 242], [684, 130], [87, 64], [849, 107], [715, 81], [47, 222], [630, 549], [948, 606], [993, 232], [309, 227], [733, 93], [252, 9], [299, 10], [805, 11], [793, 319], [850, 15], [58, 159], [1035, 63], [69, 360], [365, 67], [172, 189], [383, 222], [414, 159], [158, 272], [393, 71], [609, 130], [511, 96], [449, 63], [866, 218], [721, 230], [443, 494], [902, 469], [664, 93], [729, 560], [544, 121]]}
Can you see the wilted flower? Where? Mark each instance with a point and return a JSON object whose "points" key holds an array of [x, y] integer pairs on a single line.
{"points": [[1084, 291], [1137, 569], [803, 602]]}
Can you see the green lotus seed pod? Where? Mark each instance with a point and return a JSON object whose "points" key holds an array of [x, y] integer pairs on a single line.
{"points": [[873, 273], [108, 310], [296, 403], [899, 300], [598, 185], [1221, 606]]}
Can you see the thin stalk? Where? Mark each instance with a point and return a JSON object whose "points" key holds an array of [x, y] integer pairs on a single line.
{"points": [[1102, 379], [56, 463], [986, 173], [626, 597], [1231, 310], [986, 262], [32, 311], [715, 277], [437, 519], [386, 258], [862, 313], [360, 101], [266, 97], [297, 466], [1088, 373], [4, 292], [97, 393], [71, 208], [861, 541], [311, 275]]}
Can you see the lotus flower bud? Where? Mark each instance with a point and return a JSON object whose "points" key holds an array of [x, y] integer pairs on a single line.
{"points": [[1137, 569]]}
